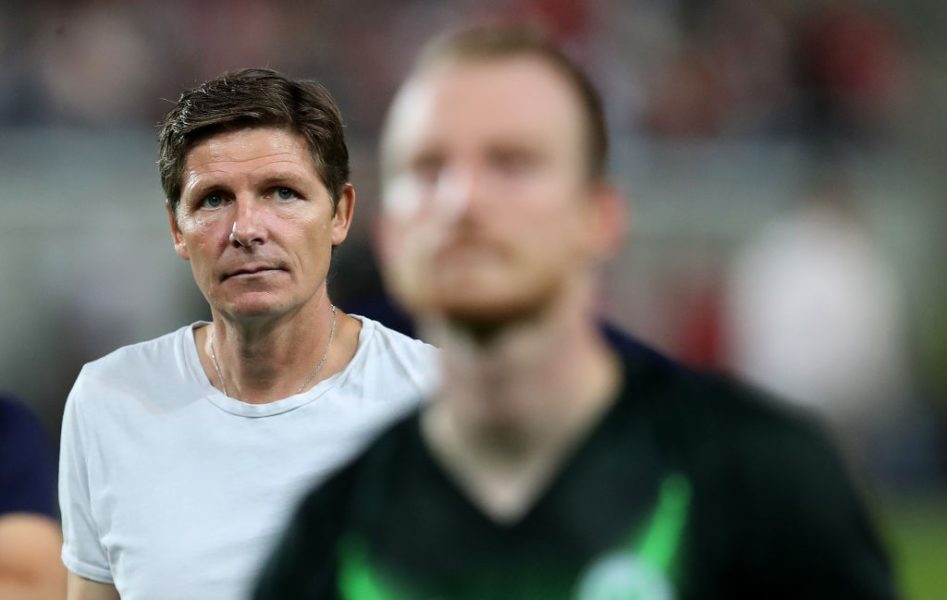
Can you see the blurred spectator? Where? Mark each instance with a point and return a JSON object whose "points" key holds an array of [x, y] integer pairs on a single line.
{"points": [[852, 72], [705, 69], [29, 534], [94, 64], [815, 314], [729, 75]]}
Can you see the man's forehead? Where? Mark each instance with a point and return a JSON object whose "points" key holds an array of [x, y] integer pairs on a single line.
{"points": [[264, 153], [505, 94], [250, 148], [246, 142]]}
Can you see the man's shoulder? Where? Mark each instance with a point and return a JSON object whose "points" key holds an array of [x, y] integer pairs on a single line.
{"points": [[375, 333], [649, 375], [157, 364], [386, 357], [722, 432], [154, 353], [713, 410]]}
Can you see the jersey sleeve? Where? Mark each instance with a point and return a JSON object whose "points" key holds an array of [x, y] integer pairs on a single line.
{"points": [[804, 530], [304, 562], [27, 474], [82, 550]]}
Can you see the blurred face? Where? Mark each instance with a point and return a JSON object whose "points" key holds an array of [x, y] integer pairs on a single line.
{"points": [[488, 213], [256, 222]]}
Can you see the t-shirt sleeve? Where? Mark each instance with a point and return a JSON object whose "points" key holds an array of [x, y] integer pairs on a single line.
{"points": [[82, 550], [304, 563], [27, 475], [804, 530]]}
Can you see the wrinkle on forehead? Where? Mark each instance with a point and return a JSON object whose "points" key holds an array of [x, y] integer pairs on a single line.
{"points": [[244, 145], [288, 165], [239, 154]]}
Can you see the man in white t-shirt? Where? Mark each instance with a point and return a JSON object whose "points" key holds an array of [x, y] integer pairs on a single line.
{"points": [[181, 456]]}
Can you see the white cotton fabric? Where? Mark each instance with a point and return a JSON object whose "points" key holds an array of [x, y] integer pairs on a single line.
{"points": [[170, 490]]}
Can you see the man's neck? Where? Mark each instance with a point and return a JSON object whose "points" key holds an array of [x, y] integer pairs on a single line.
{"points": [[263, 361], [512, 407]]}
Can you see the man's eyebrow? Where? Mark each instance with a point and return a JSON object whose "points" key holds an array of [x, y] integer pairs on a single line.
{"points": [[282, 177], [199, 182], [208, 180]]}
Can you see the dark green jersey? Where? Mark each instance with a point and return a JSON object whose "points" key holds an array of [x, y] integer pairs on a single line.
{"points": [[689, 487]]}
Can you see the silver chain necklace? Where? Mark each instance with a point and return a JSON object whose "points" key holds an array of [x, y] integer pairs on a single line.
{"points": [[322, 361]]}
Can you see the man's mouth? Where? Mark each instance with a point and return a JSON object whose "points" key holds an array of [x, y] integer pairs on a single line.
{"points": [[470, 252], [251, 271]]}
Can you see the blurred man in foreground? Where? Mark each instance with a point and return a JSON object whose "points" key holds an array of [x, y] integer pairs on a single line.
{"points": [[553, 463], [181, 456], [30, 539]]}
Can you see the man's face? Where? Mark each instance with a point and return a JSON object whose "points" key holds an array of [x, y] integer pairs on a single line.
{"points": [[256, 222], [488, 212]]}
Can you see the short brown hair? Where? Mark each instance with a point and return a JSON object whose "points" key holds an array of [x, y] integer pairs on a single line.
{"points": [[490, 42], [254, 98]]}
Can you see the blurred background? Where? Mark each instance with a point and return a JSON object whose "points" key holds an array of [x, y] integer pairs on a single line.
{"points": [[780, 160]]}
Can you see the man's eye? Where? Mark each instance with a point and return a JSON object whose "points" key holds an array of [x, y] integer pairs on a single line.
{"points": [[285, 193], [427, 168], [212, 201], [513, 162]]}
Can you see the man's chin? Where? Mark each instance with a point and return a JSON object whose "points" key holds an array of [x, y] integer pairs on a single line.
{"points": [[469, 305], [484, 315], [253, 308]]}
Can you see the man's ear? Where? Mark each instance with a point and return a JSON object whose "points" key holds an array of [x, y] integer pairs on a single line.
{"points": [[608, 221], [344, 210], [179, 247]]}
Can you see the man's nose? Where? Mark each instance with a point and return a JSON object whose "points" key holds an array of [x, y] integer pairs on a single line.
{"points": [[247, 229], [460, 192]]}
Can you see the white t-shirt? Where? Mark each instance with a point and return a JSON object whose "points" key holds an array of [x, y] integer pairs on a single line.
{"points": [[171, 490]]}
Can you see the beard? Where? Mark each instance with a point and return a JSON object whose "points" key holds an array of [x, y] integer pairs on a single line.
{"points": [[484, 312], [477, 283]]}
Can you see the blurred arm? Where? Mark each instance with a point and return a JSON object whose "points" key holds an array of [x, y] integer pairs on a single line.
{"points": [[30, 567]]}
